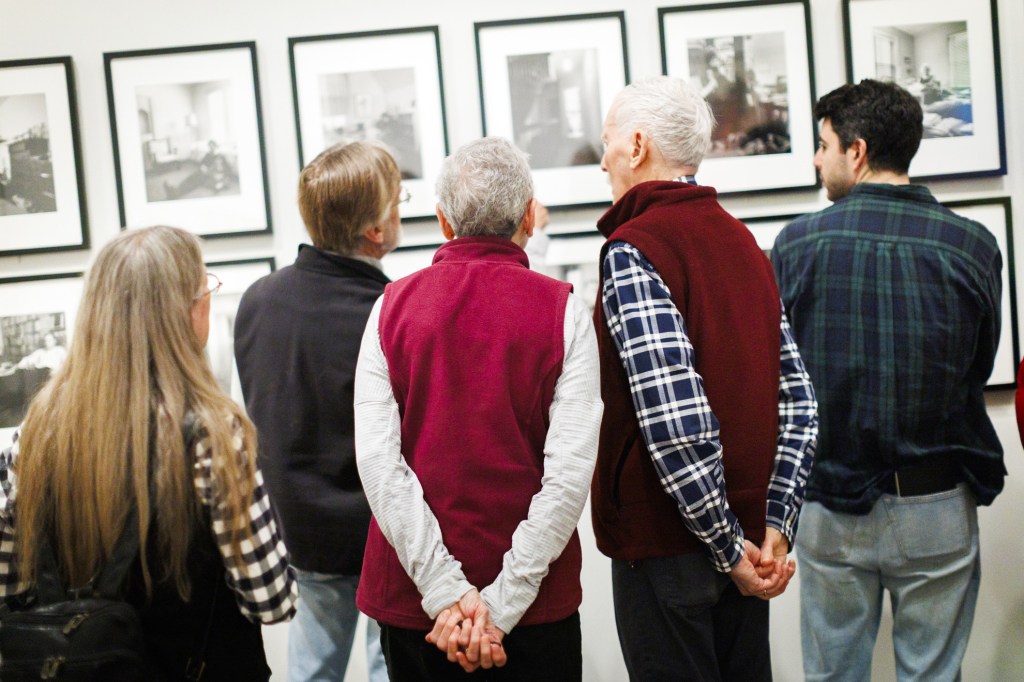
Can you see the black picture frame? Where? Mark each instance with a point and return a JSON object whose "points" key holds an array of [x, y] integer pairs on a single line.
{"points": [[399, 101], [964, 133], [187, 132], [31, 308], [236, 276], [997, 216], [562, 134], [42, 182], [753, 61]]}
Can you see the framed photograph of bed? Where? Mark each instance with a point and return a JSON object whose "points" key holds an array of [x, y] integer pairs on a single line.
{"points": [[546, 84], [188, 139], [37, 317], [996, 215], [236, 276], [399, 101], [752, 62], [42, 193], [945, 53]]}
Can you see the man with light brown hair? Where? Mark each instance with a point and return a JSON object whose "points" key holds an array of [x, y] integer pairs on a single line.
{"points": [[297, 337]]}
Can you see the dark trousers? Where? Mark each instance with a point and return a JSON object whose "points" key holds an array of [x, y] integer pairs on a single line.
{"points": [[551, 652], [679, 619]]}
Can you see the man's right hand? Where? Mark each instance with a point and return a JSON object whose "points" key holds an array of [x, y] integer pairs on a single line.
{"points": [[745, 575]]}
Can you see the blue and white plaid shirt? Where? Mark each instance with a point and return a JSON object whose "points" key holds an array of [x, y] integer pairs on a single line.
{"points": [[679, 428]]}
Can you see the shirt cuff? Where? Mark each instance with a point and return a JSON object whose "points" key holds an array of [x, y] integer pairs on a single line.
{"points": [[725, 557], [782, 518], [443, 594]]}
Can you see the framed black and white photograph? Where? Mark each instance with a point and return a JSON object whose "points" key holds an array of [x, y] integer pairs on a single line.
{"points": [[766, 229], [37, 316], [547, 84], [946, 54], [575, 258], [42, 194], [995, 214], [235, 276], [188, 139], [378, 85], [752, 62]]}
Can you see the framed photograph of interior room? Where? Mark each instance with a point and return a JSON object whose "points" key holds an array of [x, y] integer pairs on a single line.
{"points": [[546, 84], [37, 316], [235, 276], [42, 195], [188, 139], [995, 214], [378, 85], [946, 53], [752, 61]]}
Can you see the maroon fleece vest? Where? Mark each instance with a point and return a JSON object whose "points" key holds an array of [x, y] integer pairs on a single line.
{"points": [[725, 290], [474, 346]]}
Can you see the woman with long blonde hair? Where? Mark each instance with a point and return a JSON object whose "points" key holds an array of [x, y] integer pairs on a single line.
{"points": [[134, 420]]}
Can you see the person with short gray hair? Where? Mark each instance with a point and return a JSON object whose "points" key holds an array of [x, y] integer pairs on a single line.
{"points": [[703, 385], [485, 188], [477, 409]]}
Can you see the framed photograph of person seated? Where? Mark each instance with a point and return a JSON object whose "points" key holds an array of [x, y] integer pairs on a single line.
{"points": [[235, 277], [752, 62], [547, 84], [37, 317], [398, 99], [945, 53], [42, 195], [995, 215], [188, 139]]}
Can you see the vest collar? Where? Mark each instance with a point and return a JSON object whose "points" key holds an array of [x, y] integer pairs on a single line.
{"points": [[647, 195], [465, 249]]}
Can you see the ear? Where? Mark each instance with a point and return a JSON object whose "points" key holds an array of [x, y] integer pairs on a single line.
{"points": [[374, 234], [639, 149], [857, 153], [446, 227], [529, 221]]}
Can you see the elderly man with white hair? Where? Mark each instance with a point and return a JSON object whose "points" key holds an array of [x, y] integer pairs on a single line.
{"points": [[710, 421], [477, 405]]}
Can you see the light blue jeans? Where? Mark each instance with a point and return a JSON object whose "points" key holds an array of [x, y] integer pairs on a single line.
{"points": [[924, 551], [320, 636]]}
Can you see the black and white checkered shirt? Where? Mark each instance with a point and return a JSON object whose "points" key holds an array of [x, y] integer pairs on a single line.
{"points": [[264, 586]]}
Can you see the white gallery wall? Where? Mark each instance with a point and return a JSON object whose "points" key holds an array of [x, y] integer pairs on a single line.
{"points": [[85, 30]]}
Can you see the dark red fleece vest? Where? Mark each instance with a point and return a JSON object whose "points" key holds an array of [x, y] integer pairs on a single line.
{"points": [[725, 290], [474, 346]]}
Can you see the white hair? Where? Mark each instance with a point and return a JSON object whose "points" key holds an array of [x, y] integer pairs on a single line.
{"points": [[484, 188], [672, 112]]}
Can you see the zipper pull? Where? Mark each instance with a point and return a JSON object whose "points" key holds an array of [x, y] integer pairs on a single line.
{"points": [[51, 666], [75, 622]]}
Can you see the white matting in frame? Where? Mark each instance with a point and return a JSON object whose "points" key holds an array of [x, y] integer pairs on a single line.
{"points": [[42, 201], [31, 310], [994, 214], [895, 40], [565, 72], [398, 100], [774, 81], [235, 276], [188, 139]]}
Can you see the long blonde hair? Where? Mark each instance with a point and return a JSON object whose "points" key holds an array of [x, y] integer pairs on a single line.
{"points": [[134, 369]]}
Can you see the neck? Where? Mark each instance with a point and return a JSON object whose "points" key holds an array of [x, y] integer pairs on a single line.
{"points": [[883, 177]]}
